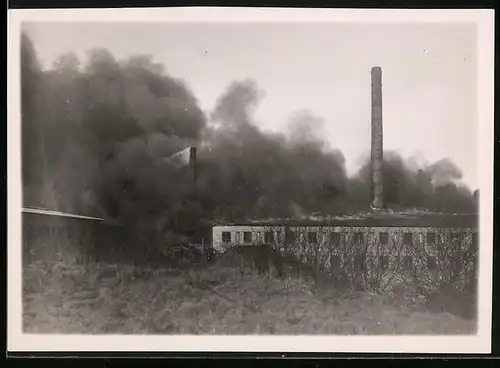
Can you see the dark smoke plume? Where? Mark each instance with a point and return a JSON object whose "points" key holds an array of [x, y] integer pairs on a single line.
{"points": [[95, 130]]}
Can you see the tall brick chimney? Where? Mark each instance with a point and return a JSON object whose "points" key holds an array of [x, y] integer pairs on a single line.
{"points": [[377, 158]]}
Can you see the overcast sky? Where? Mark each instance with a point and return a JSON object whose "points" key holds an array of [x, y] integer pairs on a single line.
{"points": [[429, 75]]}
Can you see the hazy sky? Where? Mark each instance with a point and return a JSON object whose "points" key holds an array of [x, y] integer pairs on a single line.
{"points": [[429, 75]]}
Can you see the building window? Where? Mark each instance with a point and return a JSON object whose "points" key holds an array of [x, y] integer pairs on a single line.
{"points": [[247, 237], [289, 237], [407, 263], [334, 262], [335, 237], [226, 237], [383, 262], [431, 263], [358, 238], [407, 238], [358, 242], [359, 263], [431, 238], [312, 237], [383, 238], [269, 237]]}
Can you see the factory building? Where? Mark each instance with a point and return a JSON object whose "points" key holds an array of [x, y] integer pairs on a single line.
{"points": [[423, 241]]}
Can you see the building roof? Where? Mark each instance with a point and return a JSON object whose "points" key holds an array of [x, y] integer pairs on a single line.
{"points": [[374, 219]]}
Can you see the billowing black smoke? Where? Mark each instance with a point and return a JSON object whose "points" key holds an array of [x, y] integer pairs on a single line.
{"points": [[94, 132]]}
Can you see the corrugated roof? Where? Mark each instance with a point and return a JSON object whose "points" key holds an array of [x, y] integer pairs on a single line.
{"points": [[374, 220]]}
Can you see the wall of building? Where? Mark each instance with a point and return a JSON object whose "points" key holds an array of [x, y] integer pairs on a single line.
{"points": [[323, 234], [427, 253], [236, 236]]}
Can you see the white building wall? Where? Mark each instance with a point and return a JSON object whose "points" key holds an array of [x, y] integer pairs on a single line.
{"points": [[237, 236], [371, 234], [430, 263]]}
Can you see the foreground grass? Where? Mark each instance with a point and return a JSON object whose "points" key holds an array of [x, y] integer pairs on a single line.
{"points": [[217, 299]]}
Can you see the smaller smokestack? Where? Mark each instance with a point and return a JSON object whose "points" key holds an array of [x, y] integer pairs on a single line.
{"points": [[377, 158]]}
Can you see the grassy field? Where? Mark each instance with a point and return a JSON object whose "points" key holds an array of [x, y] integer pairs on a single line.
{"points": [[219, 298]]}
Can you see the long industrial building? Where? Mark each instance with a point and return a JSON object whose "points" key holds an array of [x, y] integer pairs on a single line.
{"points": [[425, 240]]}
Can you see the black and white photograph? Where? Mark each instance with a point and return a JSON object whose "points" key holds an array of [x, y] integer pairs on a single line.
{"points": [[190, 176]]}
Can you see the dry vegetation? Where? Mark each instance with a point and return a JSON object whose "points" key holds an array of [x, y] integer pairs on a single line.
{"points": [[229, 296]]}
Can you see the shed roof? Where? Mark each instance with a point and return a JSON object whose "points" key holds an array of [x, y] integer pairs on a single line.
{"points": [[40, 211], [386, 219]]}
